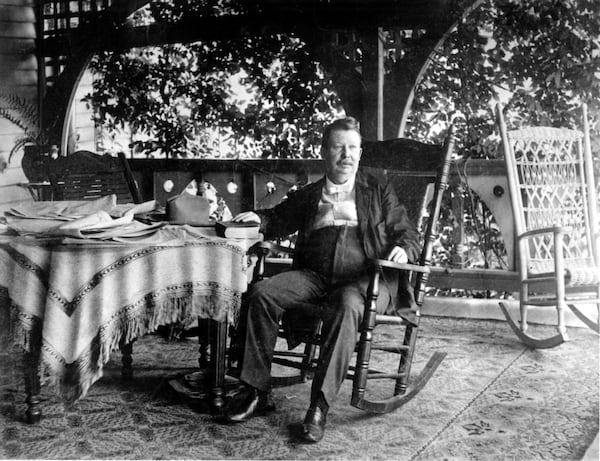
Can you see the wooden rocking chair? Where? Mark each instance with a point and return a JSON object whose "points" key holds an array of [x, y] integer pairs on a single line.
{"points": [[553, 196], [420, 172]]}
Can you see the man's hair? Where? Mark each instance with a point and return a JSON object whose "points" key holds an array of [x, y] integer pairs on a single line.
{"points": [[345, 124]]}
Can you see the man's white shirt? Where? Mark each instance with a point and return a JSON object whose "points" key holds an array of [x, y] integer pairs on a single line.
{"points": [[337, 206]]}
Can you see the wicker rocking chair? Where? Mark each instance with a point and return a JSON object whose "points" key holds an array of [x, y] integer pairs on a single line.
{"points": [[553, 196]]}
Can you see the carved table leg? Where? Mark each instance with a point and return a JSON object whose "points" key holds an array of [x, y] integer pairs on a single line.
{"points": [[218, 344], [126, 359], [204, 326], [33, 413]]}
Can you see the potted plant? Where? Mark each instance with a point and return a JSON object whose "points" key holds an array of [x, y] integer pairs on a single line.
{"points": [[34, 141]]}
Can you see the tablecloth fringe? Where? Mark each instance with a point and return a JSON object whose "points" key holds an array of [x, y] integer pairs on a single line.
{"points": [[18, 327], [133, 321]]}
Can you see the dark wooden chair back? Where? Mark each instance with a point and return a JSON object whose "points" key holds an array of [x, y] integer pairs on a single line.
{"points": [[411, 166], [85, 175]]}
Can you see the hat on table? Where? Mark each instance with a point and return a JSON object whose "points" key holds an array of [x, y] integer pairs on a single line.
{"points": [[188, 209]]}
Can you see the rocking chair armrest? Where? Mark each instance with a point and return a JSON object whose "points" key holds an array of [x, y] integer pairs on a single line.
{"points": [[264, 248], [279, 263], [266, 265], [544, 230], [558, 236], [399, 266]]}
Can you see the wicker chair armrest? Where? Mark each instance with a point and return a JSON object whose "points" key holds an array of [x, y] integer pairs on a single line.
{"points": [[545, 230]]}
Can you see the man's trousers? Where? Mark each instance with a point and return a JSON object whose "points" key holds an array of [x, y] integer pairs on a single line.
{"points": [[340, 307]]}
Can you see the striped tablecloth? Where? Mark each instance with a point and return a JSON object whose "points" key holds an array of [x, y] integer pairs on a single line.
{"points": [[77, 299]]}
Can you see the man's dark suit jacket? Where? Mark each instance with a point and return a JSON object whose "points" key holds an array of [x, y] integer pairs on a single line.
{"points": [[382, 219]]}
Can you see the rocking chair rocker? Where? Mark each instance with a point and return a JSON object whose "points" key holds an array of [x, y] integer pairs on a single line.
{"points": [[553, 196]]}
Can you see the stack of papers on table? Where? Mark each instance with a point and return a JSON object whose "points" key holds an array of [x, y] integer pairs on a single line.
{"points": [[99, 219], [62, 210]]}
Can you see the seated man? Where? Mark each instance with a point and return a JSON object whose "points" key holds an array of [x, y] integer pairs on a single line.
{"points": [[342, 220]]}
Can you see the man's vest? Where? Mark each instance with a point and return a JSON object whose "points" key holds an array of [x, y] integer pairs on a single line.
{"points": [[335, 252]]}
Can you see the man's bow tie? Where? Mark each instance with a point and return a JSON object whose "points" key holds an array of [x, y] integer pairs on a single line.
{"points": [[337, 188]]}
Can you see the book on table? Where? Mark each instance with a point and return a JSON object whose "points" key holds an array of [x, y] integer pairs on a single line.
{"points": [[237, 230]]}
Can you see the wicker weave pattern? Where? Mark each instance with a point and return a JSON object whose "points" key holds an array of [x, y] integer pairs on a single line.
{"points": [[555, 211], [549, 165], [581, 276]]}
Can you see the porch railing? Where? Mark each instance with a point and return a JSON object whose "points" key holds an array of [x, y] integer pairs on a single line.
{"points": [[247, 184]]}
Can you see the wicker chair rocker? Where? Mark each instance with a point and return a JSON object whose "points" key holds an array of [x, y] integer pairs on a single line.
{"points": [[420, 171], [554, 202]]}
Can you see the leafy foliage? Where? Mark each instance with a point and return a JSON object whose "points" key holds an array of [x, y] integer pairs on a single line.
{"points": [[541, 57], [25, 116], [178, 94]]}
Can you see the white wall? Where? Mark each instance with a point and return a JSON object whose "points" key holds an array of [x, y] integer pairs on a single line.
{"points": [[81, 118], [18, 76]]}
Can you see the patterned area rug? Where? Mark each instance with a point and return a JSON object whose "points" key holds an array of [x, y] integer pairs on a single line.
{"points": [[491, 398]]}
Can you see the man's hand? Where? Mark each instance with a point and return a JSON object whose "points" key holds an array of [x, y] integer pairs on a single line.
{"points": [[247, 216], [398, 255]]}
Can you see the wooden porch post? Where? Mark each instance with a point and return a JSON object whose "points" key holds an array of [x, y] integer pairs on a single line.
{"points": [[373, 75]]}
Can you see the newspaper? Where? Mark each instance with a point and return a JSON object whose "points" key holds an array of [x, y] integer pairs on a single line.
{"points": [[93, 219]]}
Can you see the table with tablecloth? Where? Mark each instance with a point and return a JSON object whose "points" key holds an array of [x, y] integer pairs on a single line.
{"points": [[71, 302]]}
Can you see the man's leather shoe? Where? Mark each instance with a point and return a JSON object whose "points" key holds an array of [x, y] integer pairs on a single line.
{"points": [[313, 427], [256, 403]]}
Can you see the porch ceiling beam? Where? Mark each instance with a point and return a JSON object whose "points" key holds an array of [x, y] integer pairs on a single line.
{"points": [[275, 20]]}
